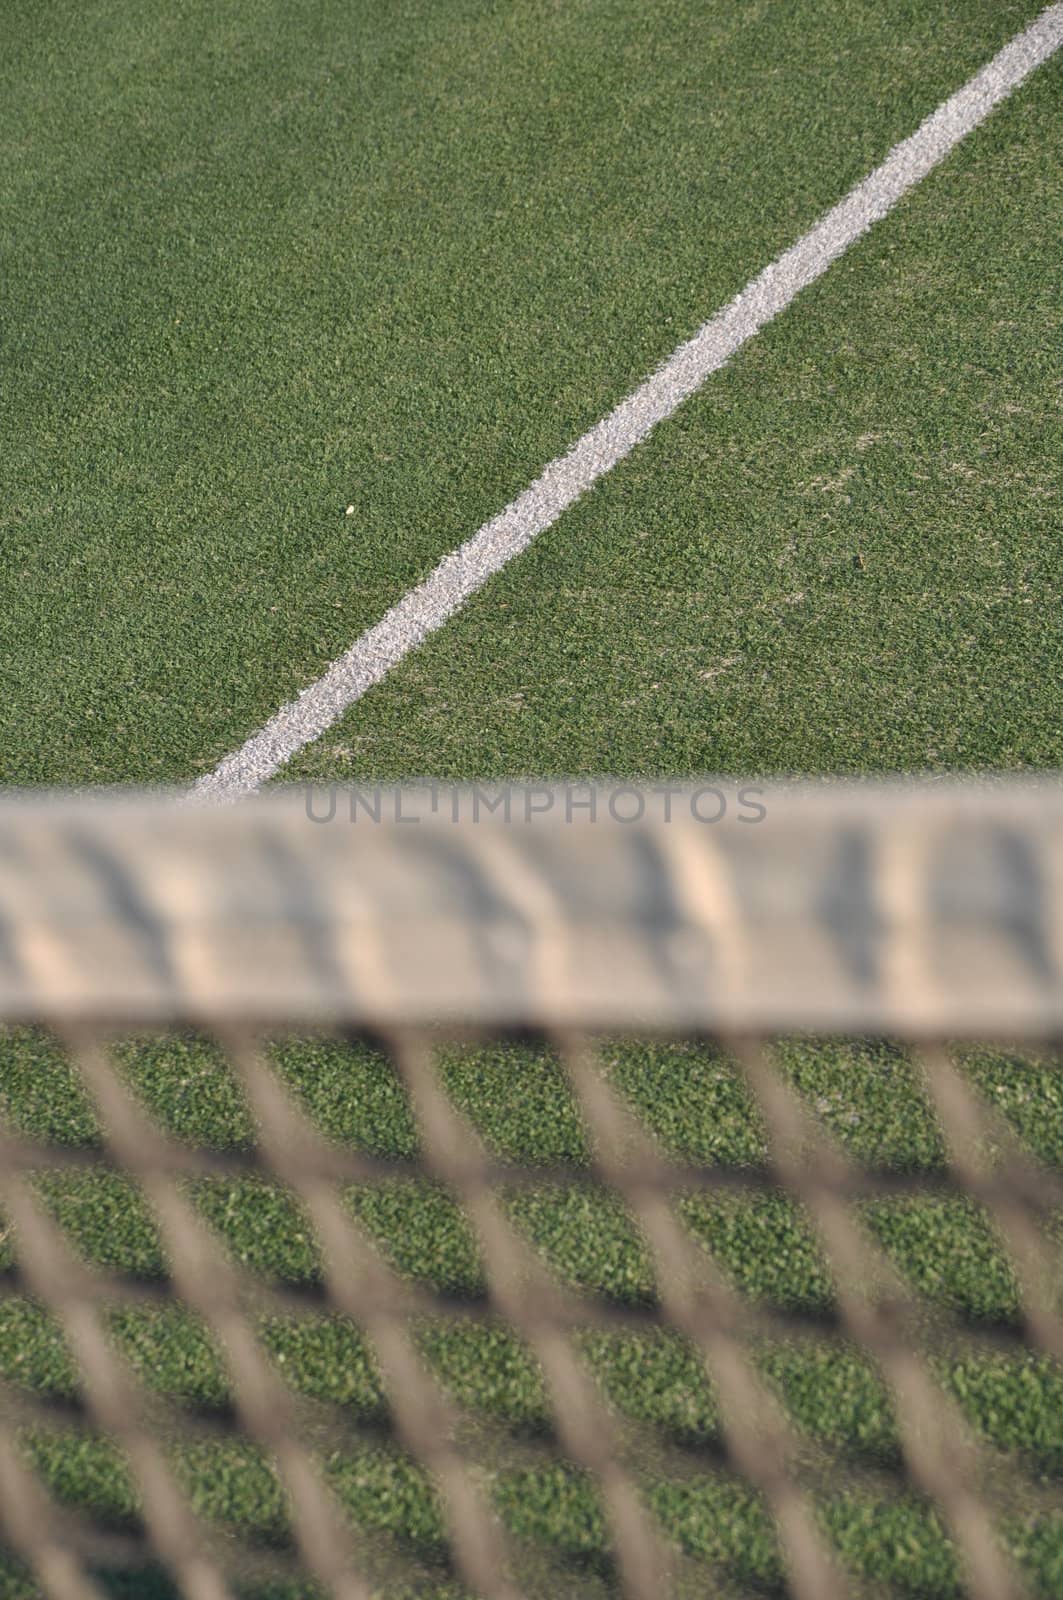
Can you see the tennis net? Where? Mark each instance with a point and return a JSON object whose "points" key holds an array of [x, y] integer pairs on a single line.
{"points": [[424, 918]]}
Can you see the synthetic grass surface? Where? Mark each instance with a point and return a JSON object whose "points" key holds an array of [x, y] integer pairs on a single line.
{"points": [[869, 1097], [841, 556], [263, 261]]}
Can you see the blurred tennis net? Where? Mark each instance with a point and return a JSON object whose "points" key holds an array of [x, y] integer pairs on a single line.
{"points": [[928, 914]]}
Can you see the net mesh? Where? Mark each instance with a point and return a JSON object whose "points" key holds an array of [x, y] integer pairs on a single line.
{"points": [[932, 916]]}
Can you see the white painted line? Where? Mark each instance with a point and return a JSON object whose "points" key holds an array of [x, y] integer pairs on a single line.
{"points": [[460, 574]]}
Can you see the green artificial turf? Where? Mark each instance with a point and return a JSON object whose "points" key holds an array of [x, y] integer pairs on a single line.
{"points": [[263, 261], [841, 556], [868, 1096]]}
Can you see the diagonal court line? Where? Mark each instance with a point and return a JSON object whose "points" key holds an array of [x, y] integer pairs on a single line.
{"points": [[461, 573]]}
